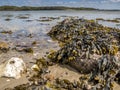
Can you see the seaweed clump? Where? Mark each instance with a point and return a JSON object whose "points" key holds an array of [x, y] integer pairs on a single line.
{"points": [[26, 49], [6, 32], [4, 47], [103, 77]]}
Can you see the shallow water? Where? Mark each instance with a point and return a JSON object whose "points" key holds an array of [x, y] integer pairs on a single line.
{"points": [[36, 26]]}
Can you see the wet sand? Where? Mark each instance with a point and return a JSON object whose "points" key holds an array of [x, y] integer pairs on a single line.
{"points": [[10, 83]]}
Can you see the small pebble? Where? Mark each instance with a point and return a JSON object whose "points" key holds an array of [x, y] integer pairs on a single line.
{"points": [[8, 80]]}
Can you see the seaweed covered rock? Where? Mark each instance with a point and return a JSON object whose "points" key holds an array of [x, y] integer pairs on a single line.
{"points": [[24, 48], [85, 41]]}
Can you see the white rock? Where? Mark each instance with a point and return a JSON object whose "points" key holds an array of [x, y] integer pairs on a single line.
{"points": [[8, 80], [50, 41], [35, 54], [35, 67], [13, 68]]}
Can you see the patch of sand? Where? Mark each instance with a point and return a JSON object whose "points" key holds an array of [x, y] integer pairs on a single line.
{"points": [[10, 83], [64, 72]]}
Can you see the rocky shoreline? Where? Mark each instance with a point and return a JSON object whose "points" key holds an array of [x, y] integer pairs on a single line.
{"points": [[88, 58]]}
